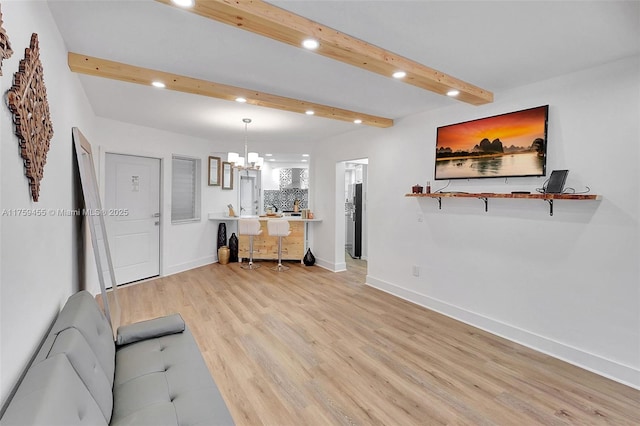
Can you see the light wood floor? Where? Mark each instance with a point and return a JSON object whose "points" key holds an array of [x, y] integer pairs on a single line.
{"points": [[311, 347]]}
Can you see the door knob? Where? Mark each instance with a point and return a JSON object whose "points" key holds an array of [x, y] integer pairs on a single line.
{"points": [[157, 222]]}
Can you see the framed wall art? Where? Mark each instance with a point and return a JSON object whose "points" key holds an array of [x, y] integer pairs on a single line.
{"points": [[227, 175], [214, 171], [28, 103], [5, 46]]}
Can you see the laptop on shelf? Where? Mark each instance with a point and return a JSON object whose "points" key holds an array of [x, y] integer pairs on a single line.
{"points": [[555, 185]]}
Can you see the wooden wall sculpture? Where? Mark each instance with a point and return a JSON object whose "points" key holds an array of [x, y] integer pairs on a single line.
{"points": [[5, 46], [28, 102]]}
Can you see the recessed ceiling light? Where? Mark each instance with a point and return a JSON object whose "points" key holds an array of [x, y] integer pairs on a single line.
{"points": [[357, 121], [310, 44], [399, 74], [268, 155], [453, 92], [272, 159], [303, 161], [305, 155], [309, 112], [158, 84], [241, 99], [183, 3]]}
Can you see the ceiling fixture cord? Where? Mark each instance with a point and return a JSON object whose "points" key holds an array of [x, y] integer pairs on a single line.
{"points": [[246, 122]]}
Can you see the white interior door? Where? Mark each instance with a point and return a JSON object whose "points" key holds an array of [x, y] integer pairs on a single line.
{"points": [[132, 207], [248, 195]]}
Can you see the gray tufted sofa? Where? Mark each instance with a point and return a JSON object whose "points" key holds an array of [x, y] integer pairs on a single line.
{"points": [[153, 374]]}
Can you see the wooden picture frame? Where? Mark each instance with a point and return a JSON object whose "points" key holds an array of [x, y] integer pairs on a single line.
{"points": [[227, 175], [214, 171]]}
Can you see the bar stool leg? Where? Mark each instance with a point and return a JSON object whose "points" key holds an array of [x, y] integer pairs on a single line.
{"points": [[251, 264], [280, 267]]}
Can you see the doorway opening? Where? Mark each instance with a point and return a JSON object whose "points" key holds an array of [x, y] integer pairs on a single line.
{"points": [[355, 215], [249, 193]]}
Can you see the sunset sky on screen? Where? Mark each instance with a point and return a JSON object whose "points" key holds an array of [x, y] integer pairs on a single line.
{"points": [[519, 129]]}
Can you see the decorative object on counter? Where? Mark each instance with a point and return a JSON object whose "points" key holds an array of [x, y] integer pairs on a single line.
{"points": [[5, 46], [232, 212], [233, 248], [416, 189], [28, 103], [428, 191], [310, 215], [222, 235], [296, 206], [223, 255], [309, 259]]}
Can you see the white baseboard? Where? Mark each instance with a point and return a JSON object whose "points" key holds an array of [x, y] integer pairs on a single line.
{"points": [[331, 266], [181, 267], [613, 370]]}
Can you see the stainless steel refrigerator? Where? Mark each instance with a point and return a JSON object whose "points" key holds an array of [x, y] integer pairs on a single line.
{"points": [[355, 227]]}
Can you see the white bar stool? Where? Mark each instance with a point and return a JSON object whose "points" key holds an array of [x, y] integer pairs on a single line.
{"points": [[250, 227], [279, 228]]}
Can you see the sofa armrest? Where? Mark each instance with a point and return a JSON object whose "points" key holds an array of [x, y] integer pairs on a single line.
{"points": [[149, 329]]}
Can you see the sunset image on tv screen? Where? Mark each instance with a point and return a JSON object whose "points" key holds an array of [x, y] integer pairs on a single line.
{"points": [[507, 145]]}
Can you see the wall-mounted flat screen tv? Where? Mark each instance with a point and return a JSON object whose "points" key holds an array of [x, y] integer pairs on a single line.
{"points": [[507, 145]]}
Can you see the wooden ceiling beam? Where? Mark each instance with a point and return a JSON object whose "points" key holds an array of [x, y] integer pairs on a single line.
{"points": [[278, 24], [118, 71]]}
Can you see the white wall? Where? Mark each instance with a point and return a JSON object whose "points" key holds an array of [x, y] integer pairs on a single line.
{"points": [[183, 246], [566, 285], [39, 261]]}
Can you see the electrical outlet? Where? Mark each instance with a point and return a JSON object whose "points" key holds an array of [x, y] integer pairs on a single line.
{"points": [[416, 271]]}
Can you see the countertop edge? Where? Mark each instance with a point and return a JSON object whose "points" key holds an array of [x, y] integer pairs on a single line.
{"points": [[222, 218]]}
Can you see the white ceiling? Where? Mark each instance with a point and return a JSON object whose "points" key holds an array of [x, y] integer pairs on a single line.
{"points": [[496, 45]]}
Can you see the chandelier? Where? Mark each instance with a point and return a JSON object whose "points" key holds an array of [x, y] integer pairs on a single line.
{"points": [[251, 160]]}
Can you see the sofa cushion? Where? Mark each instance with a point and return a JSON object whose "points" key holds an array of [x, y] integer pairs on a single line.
{"points": [[83, 313], [166, 374], [162, 414], [143, 330], [52, 394], [83, 360]]}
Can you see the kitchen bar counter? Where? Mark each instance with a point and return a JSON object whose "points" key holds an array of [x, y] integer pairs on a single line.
{"points": [[266, 247], [222, 218]]}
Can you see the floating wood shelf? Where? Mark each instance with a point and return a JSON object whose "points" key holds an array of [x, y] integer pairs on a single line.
{"points": [[484, 196]]}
